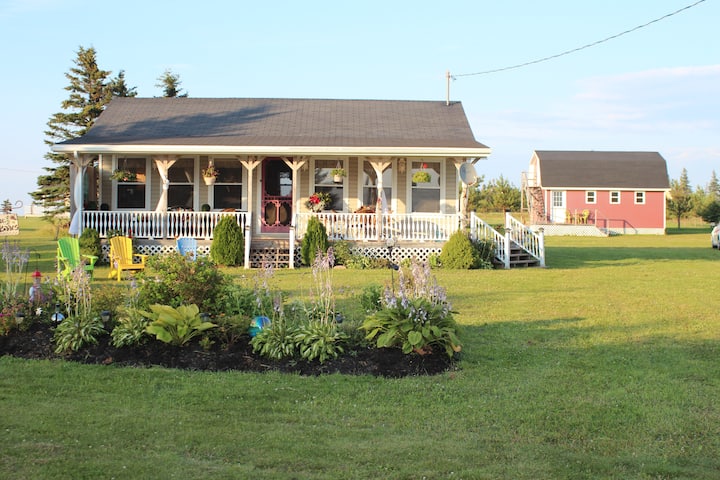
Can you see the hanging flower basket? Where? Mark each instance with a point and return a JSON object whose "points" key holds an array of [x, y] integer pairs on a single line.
{"points": [[318, 201], [421, 176], [124, 176], [210, 174], [338, 174]]}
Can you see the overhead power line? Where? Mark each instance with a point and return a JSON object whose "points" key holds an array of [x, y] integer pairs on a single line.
{"points": [[568, 52]]}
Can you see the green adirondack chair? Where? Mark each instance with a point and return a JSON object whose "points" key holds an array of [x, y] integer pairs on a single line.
{"points": [[69, 257]]}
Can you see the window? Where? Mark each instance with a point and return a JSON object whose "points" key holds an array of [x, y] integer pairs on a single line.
{"points": [[615, 197], [558, 199], [590, 196], [131, 193], [324, 182], [227, 191], [369, 185], [425, 178], [640, 198], [182, 184]]}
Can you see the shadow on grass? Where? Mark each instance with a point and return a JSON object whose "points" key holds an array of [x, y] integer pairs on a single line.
{"points": [[590, 257]]}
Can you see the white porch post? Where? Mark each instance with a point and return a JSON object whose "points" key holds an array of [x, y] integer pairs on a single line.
{"points": [[379, 165], [295, 164], [78, 166], [250, 163]]}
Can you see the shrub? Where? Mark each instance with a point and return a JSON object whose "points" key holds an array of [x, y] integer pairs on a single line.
{"points": [[371, 298], [175, 280], [484, 253], [89, 243], [176, 326], [228, 245], [459, 252], [314, 241], [341, 252]]}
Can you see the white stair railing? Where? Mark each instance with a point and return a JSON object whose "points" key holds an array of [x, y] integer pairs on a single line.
{"points": [[479, 229], [526, 238]]}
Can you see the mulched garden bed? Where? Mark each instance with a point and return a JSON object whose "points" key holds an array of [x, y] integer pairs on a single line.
{"points": [[36, 343]]}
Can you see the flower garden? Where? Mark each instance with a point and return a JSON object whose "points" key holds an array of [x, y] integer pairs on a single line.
{"points": [[186, 312]]}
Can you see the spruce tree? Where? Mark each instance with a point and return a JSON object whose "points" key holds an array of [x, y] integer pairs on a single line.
{"points": [[680, 202], [88, 96], [170, 83]]}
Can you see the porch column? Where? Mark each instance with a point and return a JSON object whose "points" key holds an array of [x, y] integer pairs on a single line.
{"points": [[379, 165], [163, 164], [250, 163], [78, 166], [295, 164]]}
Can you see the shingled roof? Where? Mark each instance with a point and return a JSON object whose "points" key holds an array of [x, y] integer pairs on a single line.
{"points": [[262, 122], [602, 170]]}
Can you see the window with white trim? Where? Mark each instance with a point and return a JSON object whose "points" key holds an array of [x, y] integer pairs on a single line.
{"points": [[425, 178], [639, 198], [615, 197], [182, 184], [227, 191], [591, 196], [369, 185], [324, 181], [131, 177]]}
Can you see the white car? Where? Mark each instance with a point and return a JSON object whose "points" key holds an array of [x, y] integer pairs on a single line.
{"points": [[715, 237]]}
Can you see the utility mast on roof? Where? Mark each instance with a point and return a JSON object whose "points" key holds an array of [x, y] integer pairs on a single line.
{"points": [[447, 87]]}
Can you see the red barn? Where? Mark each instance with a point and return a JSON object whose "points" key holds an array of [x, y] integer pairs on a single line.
{"points": [[577, 192]]}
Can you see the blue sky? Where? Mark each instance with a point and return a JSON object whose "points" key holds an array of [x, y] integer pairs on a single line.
{"points": [[654, 89]]}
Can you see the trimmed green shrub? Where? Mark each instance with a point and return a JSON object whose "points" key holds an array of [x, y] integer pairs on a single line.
{"points": [[341, 252], [458, 252], [314, 241], [228, 245], [89, 242]]}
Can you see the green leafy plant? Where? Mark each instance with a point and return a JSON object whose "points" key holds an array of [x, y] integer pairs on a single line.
{"points": [[371, 298], [176, 326], [416, 318], [315, 240], [124, 175], [277, 340], [421, 176], [319, 341], [75, 332], [228, 245]]}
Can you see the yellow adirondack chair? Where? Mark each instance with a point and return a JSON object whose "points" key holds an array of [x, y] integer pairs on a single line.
{"points": [[69, 257], [123, 258]]}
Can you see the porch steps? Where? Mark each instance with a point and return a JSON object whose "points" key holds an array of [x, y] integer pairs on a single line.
{"points": [[519, 258]]}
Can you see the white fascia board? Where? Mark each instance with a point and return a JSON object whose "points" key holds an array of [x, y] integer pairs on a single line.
{"points": [[273, 151]]}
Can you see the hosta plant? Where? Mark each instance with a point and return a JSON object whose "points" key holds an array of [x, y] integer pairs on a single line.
{"points": [[319, 341], [415, 318], [75, 332], [176, 326]]}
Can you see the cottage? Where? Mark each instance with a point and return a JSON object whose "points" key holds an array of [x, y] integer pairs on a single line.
{"points": [[372, 170], [582, 192]]}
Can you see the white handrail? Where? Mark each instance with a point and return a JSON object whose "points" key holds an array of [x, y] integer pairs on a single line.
{"points": [[479, 229], [525, 237]]}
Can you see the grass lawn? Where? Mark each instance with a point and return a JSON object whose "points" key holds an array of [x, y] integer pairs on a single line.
{"points": [[603, 365]]}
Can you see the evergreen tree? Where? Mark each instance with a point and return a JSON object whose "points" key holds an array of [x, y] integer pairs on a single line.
{"points": [[497, 195], [680, 202], [119, 88], [89, 93], [713, 189], [7, 206], [170, 83]]}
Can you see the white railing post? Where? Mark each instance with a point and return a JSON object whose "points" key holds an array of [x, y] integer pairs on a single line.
{"points": [[291, 263], [248, 239], [541, 245], [506, 257]]}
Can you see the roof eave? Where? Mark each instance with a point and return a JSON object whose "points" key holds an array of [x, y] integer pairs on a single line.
{"points": [[468, 152]]}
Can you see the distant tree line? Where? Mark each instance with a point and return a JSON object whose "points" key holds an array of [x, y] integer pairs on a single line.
{"points": [[704, 201], [91, 89]]}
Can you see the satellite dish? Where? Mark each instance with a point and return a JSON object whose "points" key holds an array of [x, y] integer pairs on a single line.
{"points": [[467, 174]]}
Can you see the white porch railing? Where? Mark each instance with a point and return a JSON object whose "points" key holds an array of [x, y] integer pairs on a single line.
{"points": [[363, 227], [479, 229], [159, 225]]}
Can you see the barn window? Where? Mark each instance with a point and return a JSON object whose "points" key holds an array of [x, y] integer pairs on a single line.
{"points": [[615, 198], [639, 198], [590, 196]]}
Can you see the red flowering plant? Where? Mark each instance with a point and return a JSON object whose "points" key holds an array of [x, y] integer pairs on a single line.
{"points": [[318, 201]]}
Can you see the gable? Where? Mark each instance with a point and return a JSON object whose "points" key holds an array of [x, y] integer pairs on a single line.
{"points": [[602, 170], [238, 122]]}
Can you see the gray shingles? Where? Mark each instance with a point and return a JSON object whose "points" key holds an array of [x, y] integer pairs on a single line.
{"points": [[281, 122], [592, 169]]}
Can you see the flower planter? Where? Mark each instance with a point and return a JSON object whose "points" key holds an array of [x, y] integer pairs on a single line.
{"points": [[209, 181], [337, 178]]}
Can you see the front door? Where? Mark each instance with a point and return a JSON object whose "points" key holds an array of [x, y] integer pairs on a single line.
{"points": [[558, 210], [276, 201]]}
